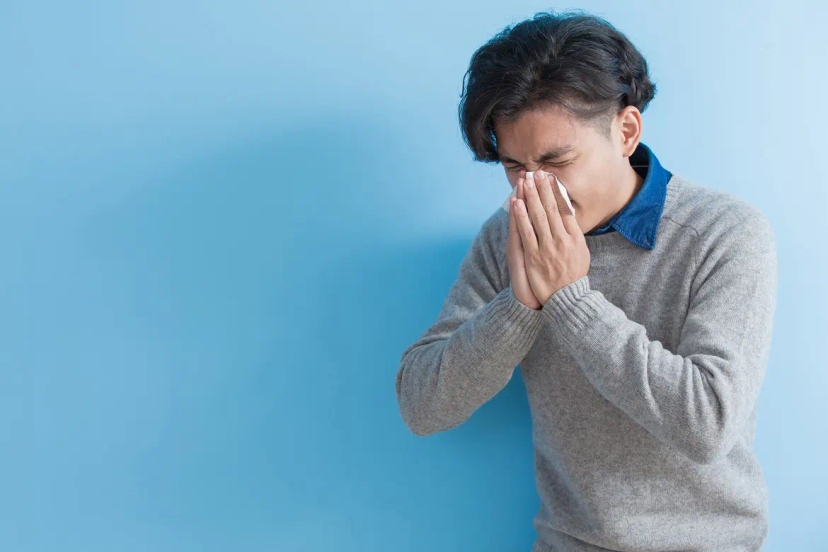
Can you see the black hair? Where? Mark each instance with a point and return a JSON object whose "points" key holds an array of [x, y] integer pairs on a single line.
{"points": [[572, 59]]}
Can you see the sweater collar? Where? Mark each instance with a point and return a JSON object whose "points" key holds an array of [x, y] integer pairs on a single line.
{"points": [[638, 220]]}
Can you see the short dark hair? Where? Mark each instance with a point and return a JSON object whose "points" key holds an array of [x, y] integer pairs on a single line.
{"points": [[572, 59]]}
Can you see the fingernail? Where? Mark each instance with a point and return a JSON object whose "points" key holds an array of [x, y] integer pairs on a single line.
{"points": [[541, 175], [530, 182]]}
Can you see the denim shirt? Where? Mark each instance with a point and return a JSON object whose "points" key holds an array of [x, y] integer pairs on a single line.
{"points": [[638, 220]]}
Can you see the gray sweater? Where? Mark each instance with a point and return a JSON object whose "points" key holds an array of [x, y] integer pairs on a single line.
{"points": [[642, 377]]}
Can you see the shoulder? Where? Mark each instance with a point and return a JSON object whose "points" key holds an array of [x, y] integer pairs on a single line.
{"points": [[491, 242], [718, 217], [732, 236], [496, 226]]}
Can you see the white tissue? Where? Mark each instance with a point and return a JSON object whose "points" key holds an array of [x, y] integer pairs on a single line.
{"points": [[530, 174]]}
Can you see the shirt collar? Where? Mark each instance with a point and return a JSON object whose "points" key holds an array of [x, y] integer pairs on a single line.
{"points": [[638, 220]]}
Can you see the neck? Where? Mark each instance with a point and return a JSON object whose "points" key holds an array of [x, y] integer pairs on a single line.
{"points": [[626, 187]]}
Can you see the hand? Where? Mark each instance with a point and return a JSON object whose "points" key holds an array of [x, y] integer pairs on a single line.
{"points": [[515, 258], [555, 250]]}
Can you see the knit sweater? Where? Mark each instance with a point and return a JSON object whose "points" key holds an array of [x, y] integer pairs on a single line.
{"points": [[642, 377]]}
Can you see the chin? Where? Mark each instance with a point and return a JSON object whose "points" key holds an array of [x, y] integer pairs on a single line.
{"points": [[579, 218]]}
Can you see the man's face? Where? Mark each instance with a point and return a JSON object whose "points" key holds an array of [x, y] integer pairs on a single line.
{"points": [[587, 163]]}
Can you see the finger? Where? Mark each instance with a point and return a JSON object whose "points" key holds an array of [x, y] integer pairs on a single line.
{"points": [[552, 207], [511, 220], [517, 269], [514, 233], [567, 217], [525, 228], [513, 239], [537, 211], [521, 194]]}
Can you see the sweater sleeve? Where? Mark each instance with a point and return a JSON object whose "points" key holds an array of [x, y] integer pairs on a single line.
{"points": [[470, 352], [697, 398]]}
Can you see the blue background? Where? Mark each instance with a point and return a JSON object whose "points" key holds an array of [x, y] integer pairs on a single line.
{"points": [[222, 222]]}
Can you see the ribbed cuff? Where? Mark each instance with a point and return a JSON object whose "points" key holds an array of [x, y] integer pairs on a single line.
{"points": [[573, 307], [514, 326]]}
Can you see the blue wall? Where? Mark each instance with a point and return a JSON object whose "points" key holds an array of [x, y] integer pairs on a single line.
{"points": [[222, 222]]}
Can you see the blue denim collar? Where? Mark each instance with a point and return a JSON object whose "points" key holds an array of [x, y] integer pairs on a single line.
{"points": [[638, 220]]}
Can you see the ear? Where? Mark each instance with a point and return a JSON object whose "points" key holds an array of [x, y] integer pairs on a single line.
{"points": [[630, 126]]}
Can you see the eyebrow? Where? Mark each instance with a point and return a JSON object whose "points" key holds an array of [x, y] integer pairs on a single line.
{"points": [[554, 153]]}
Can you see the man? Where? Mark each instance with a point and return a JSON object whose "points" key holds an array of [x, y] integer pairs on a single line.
{"points": [[642, 323]]}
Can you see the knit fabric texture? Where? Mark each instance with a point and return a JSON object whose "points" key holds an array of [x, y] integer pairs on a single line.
{"points": [[642, 377]]}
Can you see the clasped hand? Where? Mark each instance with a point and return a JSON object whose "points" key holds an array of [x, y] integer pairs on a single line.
{"points": [[543, 231]]}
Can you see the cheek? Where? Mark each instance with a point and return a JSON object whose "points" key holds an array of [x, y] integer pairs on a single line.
{"points": [[511, 176], [571, 185]]}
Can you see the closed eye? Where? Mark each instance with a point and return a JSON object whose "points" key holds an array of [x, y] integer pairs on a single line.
{"points": [[519, 167]]}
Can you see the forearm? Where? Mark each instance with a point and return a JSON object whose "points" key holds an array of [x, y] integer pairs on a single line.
{"points": [[695, 400], [446, 375]]}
